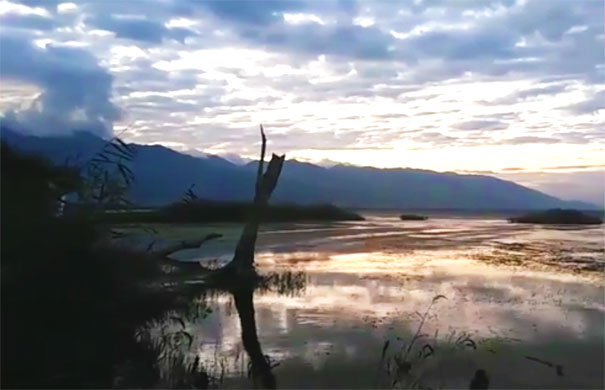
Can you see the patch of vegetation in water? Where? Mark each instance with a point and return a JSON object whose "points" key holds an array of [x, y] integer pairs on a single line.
{"points": [[413, 217], [558, 216], [214, 211]]}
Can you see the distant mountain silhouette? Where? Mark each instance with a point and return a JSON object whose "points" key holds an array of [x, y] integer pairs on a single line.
{"points": [[163, 175]]}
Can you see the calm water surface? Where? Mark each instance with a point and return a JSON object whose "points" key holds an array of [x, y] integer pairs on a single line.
{"points": [[531, 300]]}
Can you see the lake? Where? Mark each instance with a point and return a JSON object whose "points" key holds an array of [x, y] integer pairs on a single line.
{"points": [[524, 303]]}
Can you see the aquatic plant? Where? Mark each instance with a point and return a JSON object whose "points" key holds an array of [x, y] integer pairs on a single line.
{"points": [[407, 365], [171, 348]]}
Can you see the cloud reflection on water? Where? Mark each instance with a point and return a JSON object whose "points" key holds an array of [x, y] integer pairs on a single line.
{"points": [[353, 300]]}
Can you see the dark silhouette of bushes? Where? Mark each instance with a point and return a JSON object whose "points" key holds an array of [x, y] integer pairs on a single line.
{"points": [[70, 304]]}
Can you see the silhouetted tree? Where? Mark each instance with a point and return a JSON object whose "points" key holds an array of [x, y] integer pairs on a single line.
{"points": [[242, 264]]}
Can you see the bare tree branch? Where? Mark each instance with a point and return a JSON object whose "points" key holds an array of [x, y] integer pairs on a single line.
{"points": [[165, 252], [259, 173]]}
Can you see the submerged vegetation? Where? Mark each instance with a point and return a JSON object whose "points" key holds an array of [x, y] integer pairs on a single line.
{"points": [[558, 216]]}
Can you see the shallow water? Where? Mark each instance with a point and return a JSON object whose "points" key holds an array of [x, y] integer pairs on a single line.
{"points": [[531, 300]]}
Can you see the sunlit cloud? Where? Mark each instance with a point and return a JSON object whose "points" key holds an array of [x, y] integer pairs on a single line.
{"points": [[7, 7], [300, 18]]}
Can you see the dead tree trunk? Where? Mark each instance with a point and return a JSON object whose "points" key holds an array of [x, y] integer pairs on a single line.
{"points": [[242, 263]]}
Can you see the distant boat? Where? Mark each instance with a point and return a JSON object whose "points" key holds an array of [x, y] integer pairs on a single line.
{"points": [[413, 217], [558, 217]]}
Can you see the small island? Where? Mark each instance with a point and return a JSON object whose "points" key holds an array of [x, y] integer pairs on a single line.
{"points": [[413, 217], [558, 217]]}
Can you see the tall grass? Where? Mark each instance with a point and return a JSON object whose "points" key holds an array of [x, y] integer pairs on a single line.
{"points": [[406, 365]]}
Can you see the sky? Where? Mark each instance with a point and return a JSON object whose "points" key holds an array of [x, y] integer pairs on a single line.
{"points": [[511, 88]]}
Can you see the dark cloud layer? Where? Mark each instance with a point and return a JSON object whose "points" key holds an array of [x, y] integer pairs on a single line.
{"points": [[76, 91], [139, 28], [28, 22]]}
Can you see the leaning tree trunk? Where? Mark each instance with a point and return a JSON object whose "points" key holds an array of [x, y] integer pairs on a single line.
{"points": [[242, 263]]}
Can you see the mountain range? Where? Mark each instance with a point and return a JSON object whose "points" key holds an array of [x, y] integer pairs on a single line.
{"points": [[162, 176]]}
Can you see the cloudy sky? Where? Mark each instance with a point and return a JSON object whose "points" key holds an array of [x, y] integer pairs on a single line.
{"points": [[514, 88]]}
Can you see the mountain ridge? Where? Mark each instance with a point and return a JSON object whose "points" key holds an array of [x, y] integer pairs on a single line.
{"points": [[163, 175]]}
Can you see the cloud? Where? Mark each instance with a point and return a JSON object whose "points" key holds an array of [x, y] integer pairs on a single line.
{"points": [[593, 104], [139, 29], [531, 93], [253, 13], [434, 138], [530, 140], [27, 21], [579, 137], [481, 125], [50, 4], [346, 41], [582, 167], [465, 45], [76, 90], [466, 48]]}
